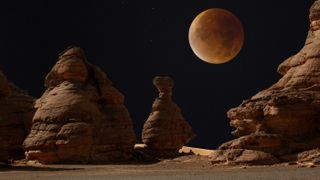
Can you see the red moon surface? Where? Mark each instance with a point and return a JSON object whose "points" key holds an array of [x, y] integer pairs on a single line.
{"points": [[216, 36]]}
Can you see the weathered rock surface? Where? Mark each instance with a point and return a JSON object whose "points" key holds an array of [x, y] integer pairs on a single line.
{"points": [[165, 130], [16, 111], [285, 118], [80, 118], [242, 157], [311, 156]]}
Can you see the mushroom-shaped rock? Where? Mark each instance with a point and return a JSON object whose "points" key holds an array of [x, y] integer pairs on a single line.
{"points": [[284, 119], [16, 111], [165, 130], [80, 118]]}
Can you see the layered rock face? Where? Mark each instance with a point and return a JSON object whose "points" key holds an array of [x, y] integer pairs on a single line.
{"points": [[283, 120], [165, 130], [80, 118], [16, 111]]}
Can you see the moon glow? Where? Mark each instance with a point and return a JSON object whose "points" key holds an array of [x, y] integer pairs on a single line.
{"points": [[216, 36]]}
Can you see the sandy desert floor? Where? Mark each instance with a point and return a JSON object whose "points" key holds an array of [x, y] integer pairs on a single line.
{"points": [[182, 168]]}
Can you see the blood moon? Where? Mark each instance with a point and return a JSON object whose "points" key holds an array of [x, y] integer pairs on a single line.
{"points": [[216, 36]]}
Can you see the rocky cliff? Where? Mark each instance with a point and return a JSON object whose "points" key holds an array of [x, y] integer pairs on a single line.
{"points": [[279, 123]]}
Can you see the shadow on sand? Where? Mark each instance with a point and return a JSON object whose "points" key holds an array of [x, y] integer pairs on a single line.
{"points": [[6, 168], [140, 157]]}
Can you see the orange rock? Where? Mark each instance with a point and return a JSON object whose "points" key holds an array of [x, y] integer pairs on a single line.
{"points": [[242, 157], [166, 129], [284, 119], [16, 111], [80, 118], [310, 156]]}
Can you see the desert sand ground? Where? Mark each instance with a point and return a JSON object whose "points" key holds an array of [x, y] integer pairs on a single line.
{"points": [[189, 167]]}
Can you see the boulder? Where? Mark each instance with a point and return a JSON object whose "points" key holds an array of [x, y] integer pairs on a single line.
{"points": [[310, 156], [242, 157], [16, 111], [81, 117], [165, 129]]}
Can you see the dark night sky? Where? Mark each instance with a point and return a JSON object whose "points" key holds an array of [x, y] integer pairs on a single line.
{"points": [[135, 40]]}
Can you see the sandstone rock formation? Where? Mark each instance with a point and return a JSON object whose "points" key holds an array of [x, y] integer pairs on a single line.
{"points": [[16, 111], [165, 130], [80, 118], [282, 120], [309, 157]]}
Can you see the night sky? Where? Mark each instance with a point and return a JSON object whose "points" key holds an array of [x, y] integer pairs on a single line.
{"points": [[133, 41]]}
